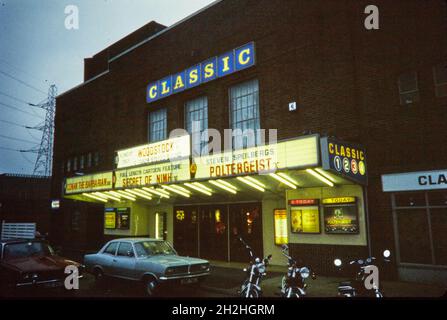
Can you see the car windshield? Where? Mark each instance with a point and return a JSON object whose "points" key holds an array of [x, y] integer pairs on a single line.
{"points": [[26, 249], [151, 248]]}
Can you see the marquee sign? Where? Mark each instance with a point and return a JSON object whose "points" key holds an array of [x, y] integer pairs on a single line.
{"points": [[162, 173], [171, 149], [297, 153], [211, 69], [345, 159], [89, 183]]}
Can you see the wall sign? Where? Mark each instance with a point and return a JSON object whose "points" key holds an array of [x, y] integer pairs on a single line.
{"points": [[89, 183], [117, 218], [414, 181], [305, 218], [110, 218], [123, 221], [288, 154], [345, 159], [161, 173], [280, 221], [211, 69], [167, 150], [341, 216]]}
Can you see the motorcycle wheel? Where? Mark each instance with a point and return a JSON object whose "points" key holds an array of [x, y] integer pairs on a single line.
{"points": [[252, 293]]}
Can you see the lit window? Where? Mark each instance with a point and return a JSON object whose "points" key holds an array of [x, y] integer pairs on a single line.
{"points": [[408, 88], [96, 159], [158, 125], [75, 164], [81, 162], [89, 160], [244, 114], [68, 165], [196, 123], [440, 75]]}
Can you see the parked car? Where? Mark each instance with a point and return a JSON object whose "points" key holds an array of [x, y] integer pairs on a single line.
{"points": [[148, 261], [26, 263]]}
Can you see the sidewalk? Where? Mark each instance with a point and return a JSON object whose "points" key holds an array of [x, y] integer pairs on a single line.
{"points": [[227, 277]]}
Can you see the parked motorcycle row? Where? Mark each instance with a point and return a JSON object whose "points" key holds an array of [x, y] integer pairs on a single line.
{"points": [[293, 284]]}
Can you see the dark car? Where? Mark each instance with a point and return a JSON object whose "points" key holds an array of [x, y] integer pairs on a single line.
{"points": [[28, 263]]}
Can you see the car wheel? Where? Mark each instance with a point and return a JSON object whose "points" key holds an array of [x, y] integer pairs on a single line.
{"points": [[150, 286], [99, 277]]}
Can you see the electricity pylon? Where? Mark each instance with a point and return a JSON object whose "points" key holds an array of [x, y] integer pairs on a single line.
{"points": [[44, 161]]}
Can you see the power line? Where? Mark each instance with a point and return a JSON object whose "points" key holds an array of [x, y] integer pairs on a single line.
{"points": [[22, 71], [37, 127], [18, 150], [18, 109], [14, 98], [16, 139], [12, 123], [21, 81]]}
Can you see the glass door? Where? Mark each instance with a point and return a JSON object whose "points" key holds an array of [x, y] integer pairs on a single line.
{"points": [[186, 231], [213, 232], [246, 222]]}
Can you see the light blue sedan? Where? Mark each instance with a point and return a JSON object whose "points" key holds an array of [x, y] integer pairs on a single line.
{"points": [[147, 261]]}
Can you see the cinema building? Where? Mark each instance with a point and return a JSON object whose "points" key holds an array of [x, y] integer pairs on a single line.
{"points": [[143, 147]]}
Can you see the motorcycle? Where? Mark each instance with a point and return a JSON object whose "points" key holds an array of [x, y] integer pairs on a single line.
{"points": [[357, 287], [251, 288], [293, 284]]}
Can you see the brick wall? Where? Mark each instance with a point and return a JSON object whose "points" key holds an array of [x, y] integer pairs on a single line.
{"points": [[317, 53]]}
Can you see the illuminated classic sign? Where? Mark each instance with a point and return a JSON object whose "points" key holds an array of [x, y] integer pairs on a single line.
{"points": [[89, 183], [211, 69], [345, 159], [171, 149], [298, 153], [414, 181]]}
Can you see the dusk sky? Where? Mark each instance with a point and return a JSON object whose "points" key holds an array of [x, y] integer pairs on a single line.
{"points": [[36, 50]]}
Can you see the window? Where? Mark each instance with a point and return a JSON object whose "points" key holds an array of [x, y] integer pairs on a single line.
{"points": [[408, 88], [81, 162], [421, 224], [158, 125], [68, 165], [111, 248], [196, 123], [440, 75], [244, 114], [75, 164], [124, 249], [89, 160], [96, 159]]}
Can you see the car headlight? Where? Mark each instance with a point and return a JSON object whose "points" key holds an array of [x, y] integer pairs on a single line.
{"points": [[204, 267], [169, 271], [305, 272], [26, 276]]}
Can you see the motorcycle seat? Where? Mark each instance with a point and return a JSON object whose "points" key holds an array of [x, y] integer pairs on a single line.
{"points": [[345, 284]]}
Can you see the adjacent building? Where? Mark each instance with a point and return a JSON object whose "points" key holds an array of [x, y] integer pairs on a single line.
{"points": [[26, 199], [351, 107]]}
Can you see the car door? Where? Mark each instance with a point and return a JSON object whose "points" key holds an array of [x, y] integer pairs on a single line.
{"points": [[107, 256], [125, 261]]}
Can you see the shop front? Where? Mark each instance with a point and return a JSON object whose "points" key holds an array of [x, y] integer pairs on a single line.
{"points": [[419, 209], [307, 192]]}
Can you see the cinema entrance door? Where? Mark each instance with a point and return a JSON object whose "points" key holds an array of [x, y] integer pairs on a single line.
{"points": [[212, 231]]}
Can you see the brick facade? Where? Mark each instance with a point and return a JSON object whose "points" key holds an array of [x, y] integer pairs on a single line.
{"points": [[343, 77]]}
